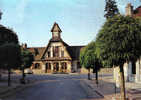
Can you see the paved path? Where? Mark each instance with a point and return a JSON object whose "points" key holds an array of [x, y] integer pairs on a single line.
{"points": [[41, 77], [59, 87]]}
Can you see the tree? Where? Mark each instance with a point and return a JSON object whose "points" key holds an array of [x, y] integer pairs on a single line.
{"points": [[111, 9], [119, 42], [82, 61], [10, 57], [88, 59], [26, 59], [9, 50]]}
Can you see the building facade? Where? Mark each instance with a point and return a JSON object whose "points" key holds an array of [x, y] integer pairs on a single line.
{"points": [[57, 56], [132, 69]]}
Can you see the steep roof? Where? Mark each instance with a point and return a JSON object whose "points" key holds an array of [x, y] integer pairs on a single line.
{"points": [[37, 52], [56, 28], [51, 41], [137, 11], [74, 51]]}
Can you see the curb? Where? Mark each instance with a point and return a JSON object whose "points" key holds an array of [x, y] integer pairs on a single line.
{"points": [[91, 92]]}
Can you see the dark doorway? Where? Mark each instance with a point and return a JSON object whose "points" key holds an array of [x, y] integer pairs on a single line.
{"points": [[56, 67], [64, 67], [48, 67]]}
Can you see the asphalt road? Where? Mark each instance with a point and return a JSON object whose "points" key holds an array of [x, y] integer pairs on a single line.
{"points": [[55, 87]]}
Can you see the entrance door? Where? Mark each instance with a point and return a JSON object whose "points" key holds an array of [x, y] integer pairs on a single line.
{"points": [[56, 67], [48, 67], [64, 67]]}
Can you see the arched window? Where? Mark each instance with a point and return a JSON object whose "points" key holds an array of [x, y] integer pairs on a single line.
{"points": [[64, 66], [37, 66], [48, 66]]}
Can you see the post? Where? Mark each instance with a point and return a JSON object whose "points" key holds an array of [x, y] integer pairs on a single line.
{"points": [[122, 83], [9, 80], [96, 77], [23, 76], [89, 74], [137, 79]]}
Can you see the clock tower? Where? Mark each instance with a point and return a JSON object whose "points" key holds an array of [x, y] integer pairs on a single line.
{"points": [[56, 31]]}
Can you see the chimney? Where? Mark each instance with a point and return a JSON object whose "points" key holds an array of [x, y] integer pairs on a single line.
{"points": [[129, 10]]}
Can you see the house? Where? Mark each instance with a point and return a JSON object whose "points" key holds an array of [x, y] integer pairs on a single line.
{"points": [[132, 70], [57, 56]]}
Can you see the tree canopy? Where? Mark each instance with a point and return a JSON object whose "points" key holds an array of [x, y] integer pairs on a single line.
{"points": [[88, 56], [111, 9], [119, 39], [10, 56], [7, 36], [119, 42], [9, 48], [26, 57]]}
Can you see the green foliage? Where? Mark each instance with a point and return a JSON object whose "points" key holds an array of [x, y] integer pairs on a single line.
{"points": [[88, 57], [9, 48], [7, 36], [111, 9], [27, 58], [119, 40], [10, 55]]}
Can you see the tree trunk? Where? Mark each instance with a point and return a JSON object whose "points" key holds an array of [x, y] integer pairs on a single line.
{"points": [[96, 76], [0, 74], [89, 74], [23, 76], [122, 83], [9, 79]]}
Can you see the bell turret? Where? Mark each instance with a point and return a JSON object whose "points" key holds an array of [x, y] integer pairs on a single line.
{"points": [[56, 31], [129, 10]]}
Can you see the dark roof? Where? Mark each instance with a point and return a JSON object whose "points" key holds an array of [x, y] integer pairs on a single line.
{"points": [[74, 51], [137, 11], [57, 28], [37, 51]]}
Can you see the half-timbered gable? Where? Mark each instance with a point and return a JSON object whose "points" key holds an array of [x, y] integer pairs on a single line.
{"points": [[57, 56]]}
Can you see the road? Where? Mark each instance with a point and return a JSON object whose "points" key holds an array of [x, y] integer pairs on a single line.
{"points": [[55, 87]]}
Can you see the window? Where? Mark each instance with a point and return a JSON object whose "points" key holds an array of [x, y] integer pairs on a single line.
{"points": [[37, 66], [64, 65], [48, 53], [56, 51], [62, 53], [48, 66]]}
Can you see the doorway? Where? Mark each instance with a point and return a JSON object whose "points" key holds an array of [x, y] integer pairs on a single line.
{"points": [[55, 67]]}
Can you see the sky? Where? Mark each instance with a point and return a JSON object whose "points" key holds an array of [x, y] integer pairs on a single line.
{"points": [[79, 20]]}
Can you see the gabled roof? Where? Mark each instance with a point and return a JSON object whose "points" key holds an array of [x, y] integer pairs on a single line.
{"points": [[51, 41], [56, 28], [37, 52]]}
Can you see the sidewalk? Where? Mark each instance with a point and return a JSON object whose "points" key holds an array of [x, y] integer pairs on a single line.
{"points": [[6, 90], [106, 87]]}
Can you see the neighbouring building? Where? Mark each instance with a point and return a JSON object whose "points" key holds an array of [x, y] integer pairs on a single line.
{"points": [[57, 56], [132, 70]]}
